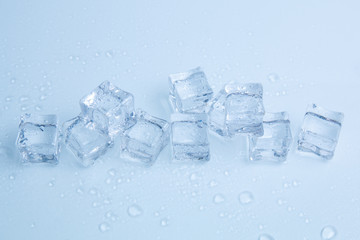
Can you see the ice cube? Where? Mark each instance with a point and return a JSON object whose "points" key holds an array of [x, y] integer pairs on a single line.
{"points": [[143, 142], [189, 91], [237, 109], [85, 139], [189, 137], [109, 106], [274, 145], [38, 139], [320, 131]]}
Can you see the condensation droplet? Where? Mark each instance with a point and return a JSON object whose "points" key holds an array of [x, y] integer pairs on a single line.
{"points": [[273, 77], [265, 237], [104, 227], [246, 197], [164, 222], [218, 198], [328, 232], [134, 210], [112, 172]]}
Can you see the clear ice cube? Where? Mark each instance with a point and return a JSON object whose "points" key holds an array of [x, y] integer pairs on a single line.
{"points": [[109, 106], [189, 91], [189, 137], [274, 145], [143, 142], [38, 139], [320, 131], [85, 139], [237, 109]]}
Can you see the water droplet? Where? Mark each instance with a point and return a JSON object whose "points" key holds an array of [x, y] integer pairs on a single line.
{"points": [[32, 225], [193, 177], [164, 222], [328, 232], [273, 77], [95, 204], [24, 108], [8, 99], [38, 108], [62, 195], [12, 177], [265, 237], [213, 183], [108, 181], [51, 183], [43, 97], [246, 197], [201, 208], [112, 216], [110, 54], [218, 198], [93, 191], [104, 227], [23, 98], [134, 210], [13, 80], [80, 191], [112, 172]]}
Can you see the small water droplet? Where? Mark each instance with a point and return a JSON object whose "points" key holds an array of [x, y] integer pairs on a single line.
{"points": [[93, 191], [134, 210], [51, 183], [80, 191], [43, 97], [23, 98], [8, 99], [12, 177], [218, 198], [193, 177], [38, 108], [95, 204], [32, 225], [13, 80], [24, 108], [328, 232], [265, 237], [110, 54], [112, 216], [201, 208], [273, 77], [246, 197], [104, 227], [164, 222], [213, 183], [112, 172], [62, 195], [156, 214], [108, 181]]}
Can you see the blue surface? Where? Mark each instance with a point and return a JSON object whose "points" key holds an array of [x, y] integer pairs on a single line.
{"points": [[53, 53]]}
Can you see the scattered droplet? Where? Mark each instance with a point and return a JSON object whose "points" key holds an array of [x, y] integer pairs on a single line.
{"points": [[108, 181], [38, 108], [104, 227], [42, 97], [112, 172], [328, 232], [110, 54], [24, 108], [265, 237], [273, 77], [193, 177], [51, 183], [13, 80], [93, 191], [164, 222], [32, 225], [213, 183], [80, 191], [134, 210], [23, 98], [8, 99], [112, 216], [12, 177], [218, 198], [62, 195], [246, 197], [95, 204]]}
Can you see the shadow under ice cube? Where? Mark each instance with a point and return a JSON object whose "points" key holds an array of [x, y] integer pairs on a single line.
{"points": [[189, 137], [110, 107], [274, 145], [238, 109], [320, 131], [38, 139], [143, 142], [189, 91], [86, 140]]}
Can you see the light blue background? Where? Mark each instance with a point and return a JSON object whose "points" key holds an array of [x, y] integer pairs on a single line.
{"points": [[54, 52]]}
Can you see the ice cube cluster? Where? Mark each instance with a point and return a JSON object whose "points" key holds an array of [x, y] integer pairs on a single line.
{"points": [[108, 119]]}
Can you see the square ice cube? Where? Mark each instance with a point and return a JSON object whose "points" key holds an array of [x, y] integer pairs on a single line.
{"points": [[85, 139], [109, 106], [237, 109], [189, 137], [189, 91], [38, 139], [320, 131], [143, 142], [274, 145]]}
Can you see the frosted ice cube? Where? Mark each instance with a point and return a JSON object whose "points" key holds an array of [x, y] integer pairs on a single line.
{"points": [[320, 131], [274, 145], [237, 109], [143, 142], [109, 106], [85, 139], [189, 91], [38, 139], [189, 137]]}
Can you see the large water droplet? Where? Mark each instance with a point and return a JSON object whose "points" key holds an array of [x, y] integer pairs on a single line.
{"points": [[265, 237], [328, 232], [104, 227], [246, 197], [218, 198], [134, 210]]}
